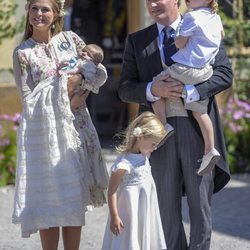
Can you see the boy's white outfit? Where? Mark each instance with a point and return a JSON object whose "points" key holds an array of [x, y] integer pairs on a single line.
{"points": [[193, 62]]}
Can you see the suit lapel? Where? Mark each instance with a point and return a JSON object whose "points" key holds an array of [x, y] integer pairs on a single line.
{"points": [[152, 51]]}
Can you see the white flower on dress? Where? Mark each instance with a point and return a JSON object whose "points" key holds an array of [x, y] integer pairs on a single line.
{"points": [[137, 131]]}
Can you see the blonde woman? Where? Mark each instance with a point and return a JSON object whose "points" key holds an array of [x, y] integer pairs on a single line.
{"points": [[134, 220], [60, 169]]}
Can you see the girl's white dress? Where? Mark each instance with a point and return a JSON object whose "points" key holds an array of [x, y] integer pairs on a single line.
{"points": [[137, 207], [60, 169]]}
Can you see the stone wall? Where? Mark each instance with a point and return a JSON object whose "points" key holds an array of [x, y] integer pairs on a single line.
{"points": [[10, 102]]}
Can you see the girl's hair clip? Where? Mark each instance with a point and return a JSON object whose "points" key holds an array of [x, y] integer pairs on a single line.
{"points": [[137, 131]]}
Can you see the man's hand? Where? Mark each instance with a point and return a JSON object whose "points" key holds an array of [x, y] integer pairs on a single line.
{"points": [[166, 87], [74, 81]]}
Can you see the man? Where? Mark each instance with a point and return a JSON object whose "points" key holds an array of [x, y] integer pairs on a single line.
{"points": [[175, 164]]}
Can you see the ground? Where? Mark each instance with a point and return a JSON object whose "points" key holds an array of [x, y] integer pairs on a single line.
{"points": [[231, 219]]}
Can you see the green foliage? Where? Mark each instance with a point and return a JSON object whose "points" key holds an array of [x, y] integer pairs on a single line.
{"points": [[7, 28], [231, 27], [235, 114], [236, 22], [8, 148], [242, 78]]}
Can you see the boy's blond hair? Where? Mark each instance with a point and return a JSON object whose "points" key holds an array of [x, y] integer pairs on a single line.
{"points": [[213, 5]]}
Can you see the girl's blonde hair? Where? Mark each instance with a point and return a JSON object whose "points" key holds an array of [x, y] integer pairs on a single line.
{"points": [[58, 24], [146, 125]]}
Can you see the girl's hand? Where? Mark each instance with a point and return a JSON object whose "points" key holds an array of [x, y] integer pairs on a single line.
{"points": [[116, 225]]}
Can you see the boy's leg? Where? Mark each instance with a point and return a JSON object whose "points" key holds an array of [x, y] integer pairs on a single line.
{"points": [[211, 155], [159, 108], [207, 130]]}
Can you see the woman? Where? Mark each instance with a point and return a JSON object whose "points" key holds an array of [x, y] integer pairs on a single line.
{"points": [[60, 170]]}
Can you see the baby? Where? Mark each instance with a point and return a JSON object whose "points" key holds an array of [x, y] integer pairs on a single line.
{"points": [[89, 66]]}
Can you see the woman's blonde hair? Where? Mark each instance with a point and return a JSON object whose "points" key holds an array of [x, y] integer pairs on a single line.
{"points": [[146, 125], [58, 23]]}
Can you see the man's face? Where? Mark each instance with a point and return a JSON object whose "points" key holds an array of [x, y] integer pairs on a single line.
{"points": [[163, 11]]}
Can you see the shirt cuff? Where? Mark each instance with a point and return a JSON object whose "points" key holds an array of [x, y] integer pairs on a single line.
{"points": [[192, 94], [149, 95]]}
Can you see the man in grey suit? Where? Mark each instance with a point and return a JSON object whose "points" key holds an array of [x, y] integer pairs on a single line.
{"points": [[175, 164]]}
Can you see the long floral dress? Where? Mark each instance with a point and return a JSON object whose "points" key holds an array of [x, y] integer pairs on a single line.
{"points": [[60, 170]]}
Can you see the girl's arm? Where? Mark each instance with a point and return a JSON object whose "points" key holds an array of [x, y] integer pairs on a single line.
{"points": [[116, 223]]}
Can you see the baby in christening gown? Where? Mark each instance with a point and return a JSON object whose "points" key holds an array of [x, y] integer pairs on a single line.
{"points": [[87, 66]]}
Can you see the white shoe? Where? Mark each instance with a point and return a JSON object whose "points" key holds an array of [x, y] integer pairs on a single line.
{"points": [[208, 162], [169, 128], [170, 131]]}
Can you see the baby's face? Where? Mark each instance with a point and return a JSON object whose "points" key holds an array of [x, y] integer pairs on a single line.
{"points": [[87, 56]]}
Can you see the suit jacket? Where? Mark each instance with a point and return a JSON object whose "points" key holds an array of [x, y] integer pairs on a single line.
{"points": [[142, 61]]}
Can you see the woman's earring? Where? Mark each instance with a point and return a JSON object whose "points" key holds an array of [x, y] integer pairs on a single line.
{"points": [[53, 26]]}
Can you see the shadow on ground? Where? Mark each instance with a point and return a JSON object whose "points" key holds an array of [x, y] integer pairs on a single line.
{"points": [[230, 210]]}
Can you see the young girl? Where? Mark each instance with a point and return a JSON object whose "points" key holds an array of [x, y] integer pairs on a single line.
{"points": [[134, 221]]}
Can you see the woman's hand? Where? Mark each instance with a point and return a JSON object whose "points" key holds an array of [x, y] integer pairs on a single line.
{"points": [[116, 225], [74, 81], [79, 99]]}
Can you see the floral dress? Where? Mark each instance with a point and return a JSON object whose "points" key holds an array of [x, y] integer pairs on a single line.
{"points": [[60, 170]]}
